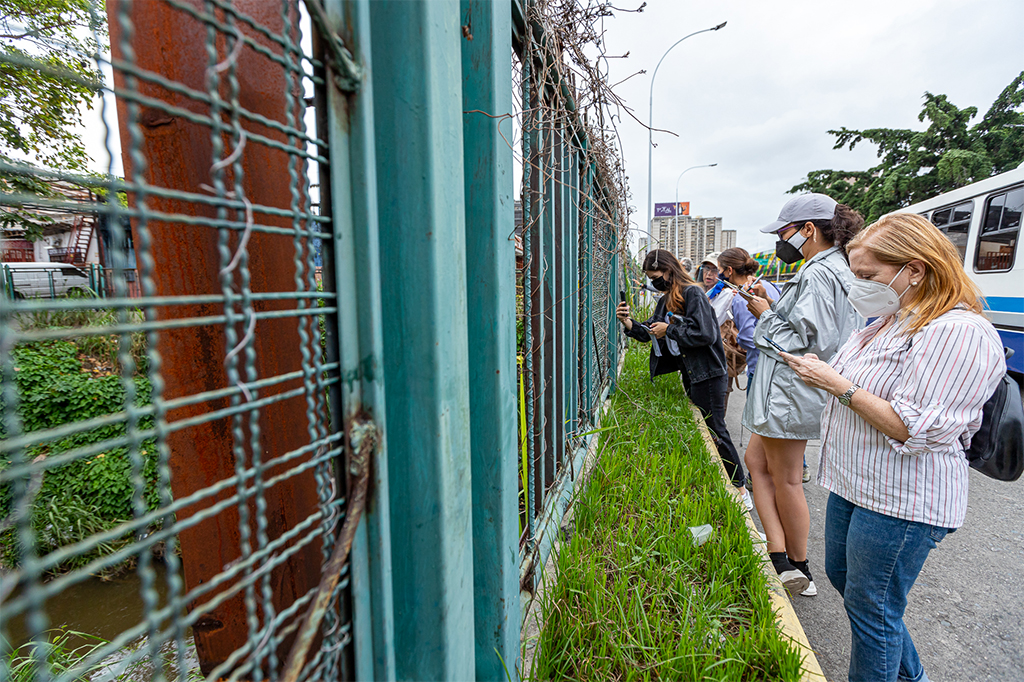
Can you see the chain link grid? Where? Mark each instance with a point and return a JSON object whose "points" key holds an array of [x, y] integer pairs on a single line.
{"points": [[138, 433], [559, 138]]}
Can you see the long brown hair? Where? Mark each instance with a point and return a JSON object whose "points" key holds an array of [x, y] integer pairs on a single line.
{"points": [[899, 238], [663, 261]]}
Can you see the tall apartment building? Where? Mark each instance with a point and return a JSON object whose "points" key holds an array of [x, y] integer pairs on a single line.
{"points": [[728, 239], [690, 237]]}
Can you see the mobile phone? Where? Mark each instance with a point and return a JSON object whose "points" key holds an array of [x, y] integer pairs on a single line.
{"points": [[622, 296], [776, 346], [739, 290]]}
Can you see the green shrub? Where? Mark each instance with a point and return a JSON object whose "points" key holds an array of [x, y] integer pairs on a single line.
{"points": [[87, 495]]}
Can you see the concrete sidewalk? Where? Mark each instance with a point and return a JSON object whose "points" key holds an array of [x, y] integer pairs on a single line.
{"points": [[966, 612]]}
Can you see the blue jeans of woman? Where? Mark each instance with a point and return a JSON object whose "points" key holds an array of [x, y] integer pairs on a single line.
{"points": [[873, 560]]}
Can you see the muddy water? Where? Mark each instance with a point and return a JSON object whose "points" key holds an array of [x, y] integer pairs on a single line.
{"points": [[104, 609]]}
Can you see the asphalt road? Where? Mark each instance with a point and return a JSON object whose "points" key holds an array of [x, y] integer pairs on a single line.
{"points": [[966, 611]]}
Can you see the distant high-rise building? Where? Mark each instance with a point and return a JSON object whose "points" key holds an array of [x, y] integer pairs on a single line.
{"points": [[728, 239], [690, 237]]}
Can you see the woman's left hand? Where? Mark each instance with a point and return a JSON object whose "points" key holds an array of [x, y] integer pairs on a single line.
{"points": [[814, 372], [658, 329]]}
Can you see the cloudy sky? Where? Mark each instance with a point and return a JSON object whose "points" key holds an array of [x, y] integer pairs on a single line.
{"points": [[758, 96]]}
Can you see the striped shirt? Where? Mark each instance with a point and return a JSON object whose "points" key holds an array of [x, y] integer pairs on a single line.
{"points": [[937, 382]]}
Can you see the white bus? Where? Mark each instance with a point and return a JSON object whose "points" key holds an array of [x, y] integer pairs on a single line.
{"points": [[983, 221]]}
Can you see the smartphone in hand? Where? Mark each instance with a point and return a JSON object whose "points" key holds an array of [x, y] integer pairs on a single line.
{"points": [[739, 290], [776, 346], [622, 296]]}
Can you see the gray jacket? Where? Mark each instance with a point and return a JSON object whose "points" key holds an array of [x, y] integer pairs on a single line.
{"points": [[812, 315]]}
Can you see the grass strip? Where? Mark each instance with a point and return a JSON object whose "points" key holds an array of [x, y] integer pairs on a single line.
{"points": [[635, 597]]}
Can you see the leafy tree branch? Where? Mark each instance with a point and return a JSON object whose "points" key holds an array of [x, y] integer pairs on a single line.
{"points": [[916, 165]]}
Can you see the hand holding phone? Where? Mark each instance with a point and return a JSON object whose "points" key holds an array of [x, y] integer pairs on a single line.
{"points": [[739, 290]]}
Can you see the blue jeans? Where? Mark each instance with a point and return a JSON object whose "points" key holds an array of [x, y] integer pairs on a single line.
{"points": [[873, 560]]}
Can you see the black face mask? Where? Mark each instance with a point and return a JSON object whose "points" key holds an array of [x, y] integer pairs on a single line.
{"points": [[788, 252], [659, 283]]}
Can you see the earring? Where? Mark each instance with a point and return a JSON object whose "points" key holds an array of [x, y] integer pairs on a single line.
{"points": [[913, 284]]}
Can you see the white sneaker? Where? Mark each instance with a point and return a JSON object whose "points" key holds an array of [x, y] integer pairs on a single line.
{"points": [[811, 591], [795, 581], [745, 497]]}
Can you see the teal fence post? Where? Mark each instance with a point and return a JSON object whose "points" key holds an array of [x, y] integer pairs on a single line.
{"points": [[551, 434], [352, 204], [587, 278], [490, 276], [613, 297], [416, 51]]}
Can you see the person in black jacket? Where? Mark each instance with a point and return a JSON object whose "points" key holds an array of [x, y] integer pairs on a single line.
{"points": [[687, 340]]}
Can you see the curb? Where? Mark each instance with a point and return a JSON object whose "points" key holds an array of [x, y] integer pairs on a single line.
{"points": [[785, 616]]}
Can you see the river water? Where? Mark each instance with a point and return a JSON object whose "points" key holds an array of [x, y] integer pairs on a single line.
{"points": [[105, 609]]}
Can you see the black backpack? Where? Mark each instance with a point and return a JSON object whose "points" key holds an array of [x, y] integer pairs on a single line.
{"points": [[997, 449]]}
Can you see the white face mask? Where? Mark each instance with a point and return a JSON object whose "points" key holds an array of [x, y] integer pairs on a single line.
{"points": [[874, 299]]}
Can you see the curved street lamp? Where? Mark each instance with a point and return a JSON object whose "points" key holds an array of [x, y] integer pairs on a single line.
{"points": [[705, 165], [650, 114]]}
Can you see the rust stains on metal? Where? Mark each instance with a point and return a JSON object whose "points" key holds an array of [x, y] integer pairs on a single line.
{"points": [[178, 156]]}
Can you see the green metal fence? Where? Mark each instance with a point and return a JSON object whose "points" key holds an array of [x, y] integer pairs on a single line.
{"points": [[303, 472], [218, 420], [573, 220]]}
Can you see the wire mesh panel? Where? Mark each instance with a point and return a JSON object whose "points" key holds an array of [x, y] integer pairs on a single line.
{"points": [[574, 217], [179, 435]]}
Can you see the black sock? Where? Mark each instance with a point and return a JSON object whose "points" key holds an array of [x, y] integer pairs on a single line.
{"points": [[780, 562], [802, 567]]}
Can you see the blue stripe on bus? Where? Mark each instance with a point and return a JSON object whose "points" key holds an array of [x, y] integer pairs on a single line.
{"points": [[1005, 304], [1014, 341]]}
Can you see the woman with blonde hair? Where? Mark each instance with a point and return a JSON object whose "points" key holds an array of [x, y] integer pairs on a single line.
{"points": [[906, 398]]}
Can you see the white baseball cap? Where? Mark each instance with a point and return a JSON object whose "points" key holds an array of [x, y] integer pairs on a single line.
{"points": [[711, 258], [803, 208]]}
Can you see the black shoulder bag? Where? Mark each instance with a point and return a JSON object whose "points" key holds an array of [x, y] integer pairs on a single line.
{"points": [[997, 449]]}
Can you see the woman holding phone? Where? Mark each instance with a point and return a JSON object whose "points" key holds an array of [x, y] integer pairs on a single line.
{"points": [[686, 339], [738, 269], [906, 397], [811, 314]]}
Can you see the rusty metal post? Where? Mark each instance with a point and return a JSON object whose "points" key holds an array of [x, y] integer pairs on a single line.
{"points": [[176, 154]]}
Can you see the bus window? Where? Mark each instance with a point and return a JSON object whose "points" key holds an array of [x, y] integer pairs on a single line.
{"points": [[997, 240], [955, 223]]}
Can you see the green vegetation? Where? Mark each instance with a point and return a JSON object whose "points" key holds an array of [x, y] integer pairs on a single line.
{"points": [[47, 76], [63, 382], [635, 597], [66, 650], [917, 165]]}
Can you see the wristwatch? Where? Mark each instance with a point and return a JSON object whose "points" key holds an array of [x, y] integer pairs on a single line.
{"points": [[845, 398]]}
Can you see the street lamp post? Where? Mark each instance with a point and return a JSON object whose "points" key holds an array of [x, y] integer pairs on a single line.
{"points": [[705, 165], [650, 114]]}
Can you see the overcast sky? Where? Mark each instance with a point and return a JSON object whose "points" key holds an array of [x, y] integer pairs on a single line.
{"points": [[758, 96]]}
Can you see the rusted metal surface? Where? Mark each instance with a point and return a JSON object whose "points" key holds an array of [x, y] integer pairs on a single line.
{"points": [[362, 439], [178, 155]]}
